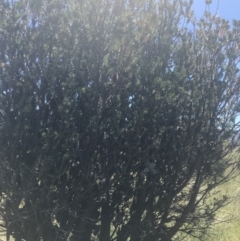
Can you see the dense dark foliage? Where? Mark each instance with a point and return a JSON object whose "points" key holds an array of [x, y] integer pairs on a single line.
{"points": [[116, 118]]}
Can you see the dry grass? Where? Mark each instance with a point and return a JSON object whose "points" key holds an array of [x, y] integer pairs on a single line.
{"points": [[227, 226]]}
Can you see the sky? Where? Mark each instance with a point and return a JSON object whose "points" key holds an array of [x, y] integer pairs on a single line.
{"points": [[228, 9]]}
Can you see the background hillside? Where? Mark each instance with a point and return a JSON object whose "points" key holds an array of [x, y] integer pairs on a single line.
{"points": [[228, 218]]}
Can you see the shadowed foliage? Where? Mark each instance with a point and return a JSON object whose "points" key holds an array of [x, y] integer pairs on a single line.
{"points": [[116, 118]]}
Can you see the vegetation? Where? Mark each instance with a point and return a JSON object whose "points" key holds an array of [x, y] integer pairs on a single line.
{"points": [[227, 220], [117, 119]]}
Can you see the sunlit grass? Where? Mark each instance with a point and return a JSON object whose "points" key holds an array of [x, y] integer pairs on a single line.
{"points": [[227, 225], [228, 228]]}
